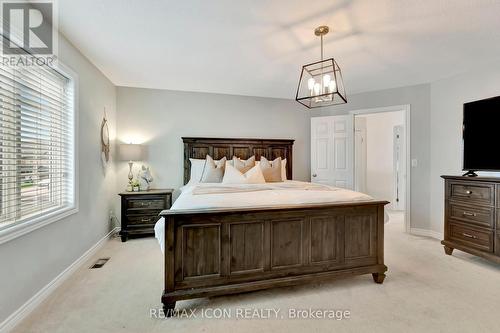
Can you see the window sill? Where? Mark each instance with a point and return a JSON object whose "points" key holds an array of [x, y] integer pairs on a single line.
{"points": [[22, 228]]}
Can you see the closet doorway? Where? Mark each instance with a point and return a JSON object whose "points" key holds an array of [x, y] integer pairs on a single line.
{"points": [[367, 151], [381, 158]]}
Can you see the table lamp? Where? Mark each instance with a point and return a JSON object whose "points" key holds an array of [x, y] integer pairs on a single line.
{"points": [[131, 152]]}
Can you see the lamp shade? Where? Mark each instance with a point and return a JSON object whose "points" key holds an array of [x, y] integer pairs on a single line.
{"points": [[131, 152]]}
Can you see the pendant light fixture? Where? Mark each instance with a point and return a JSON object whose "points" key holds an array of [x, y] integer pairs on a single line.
{"points": [[320, 82]]}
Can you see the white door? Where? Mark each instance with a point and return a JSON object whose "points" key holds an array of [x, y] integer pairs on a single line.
{"points": [[332, 150]]}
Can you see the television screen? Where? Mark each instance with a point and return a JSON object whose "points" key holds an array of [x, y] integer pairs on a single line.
{"points": [[481, 135]]}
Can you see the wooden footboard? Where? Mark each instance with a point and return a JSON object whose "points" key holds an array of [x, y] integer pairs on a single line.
{"points": [[222, 252]]}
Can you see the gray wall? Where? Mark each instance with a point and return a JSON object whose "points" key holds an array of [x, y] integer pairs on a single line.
{"points": [[447, 99], [419, 98], [159, 118], [30, 262]]}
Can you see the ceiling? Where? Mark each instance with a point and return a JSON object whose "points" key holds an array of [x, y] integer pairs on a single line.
{"points": [[257, 47]]}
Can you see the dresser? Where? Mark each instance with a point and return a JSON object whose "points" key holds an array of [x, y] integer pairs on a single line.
{"points": [[140, 211], [472, 216]]}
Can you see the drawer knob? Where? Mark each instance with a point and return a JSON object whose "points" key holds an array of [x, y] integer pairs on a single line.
{"points": [[469, 235], [469, 214], [468, 192]]}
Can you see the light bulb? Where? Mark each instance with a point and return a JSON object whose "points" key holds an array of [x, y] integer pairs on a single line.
{"points": [[332, 86], [326, 80], [317, 88], [310, 83]]}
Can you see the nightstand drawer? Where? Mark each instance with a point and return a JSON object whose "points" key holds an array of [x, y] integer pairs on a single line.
{"points": [[474, 237], [140, 211], [484, 216], [142, 219], [482, 193], [146, 203]]}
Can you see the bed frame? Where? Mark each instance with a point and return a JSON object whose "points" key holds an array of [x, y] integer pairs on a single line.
{"points": [[227, 251]]}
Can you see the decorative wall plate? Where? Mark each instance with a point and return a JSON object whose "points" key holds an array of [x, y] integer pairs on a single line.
{"points": [[105, 137]]}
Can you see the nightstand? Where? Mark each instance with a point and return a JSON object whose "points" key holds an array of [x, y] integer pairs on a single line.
{"points": [[140, 211]]}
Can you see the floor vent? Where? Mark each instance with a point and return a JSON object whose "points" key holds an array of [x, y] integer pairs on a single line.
{"points": [[99, 263]]}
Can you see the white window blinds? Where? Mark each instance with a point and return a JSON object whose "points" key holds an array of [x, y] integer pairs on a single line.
{"points": [[36, 143]]}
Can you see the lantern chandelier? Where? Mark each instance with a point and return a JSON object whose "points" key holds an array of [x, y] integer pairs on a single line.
{"points": [[320, 82]]}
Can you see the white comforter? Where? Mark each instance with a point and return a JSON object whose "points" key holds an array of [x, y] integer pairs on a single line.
{"points": [[289, 193]]}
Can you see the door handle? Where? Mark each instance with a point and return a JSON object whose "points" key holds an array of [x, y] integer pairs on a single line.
{"points": [[468, 235], [469, 214], [314, 175]]}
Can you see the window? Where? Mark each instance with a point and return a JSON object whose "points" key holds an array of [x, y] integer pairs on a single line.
{"points": [[37, 176]]}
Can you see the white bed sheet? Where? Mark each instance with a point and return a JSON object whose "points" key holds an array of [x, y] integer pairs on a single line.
{"points": [[288, 193]]}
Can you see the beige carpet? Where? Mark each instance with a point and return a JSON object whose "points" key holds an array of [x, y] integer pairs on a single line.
{"points": [[425, 291]]}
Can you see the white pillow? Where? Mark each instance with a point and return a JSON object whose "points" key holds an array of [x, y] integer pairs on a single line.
{"points": [[283, 169], [196, 170], [234, 176]]}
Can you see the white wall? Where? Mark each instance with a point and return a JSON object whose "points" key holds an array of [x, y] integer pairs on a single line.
{"points": [[419, 99], [380, 153], [447, 99], [159, 118], [31, 261]]}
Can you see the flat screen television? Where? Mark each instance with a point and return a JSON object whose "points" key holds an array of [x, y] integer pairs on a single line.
{"points": [[481, 136]]}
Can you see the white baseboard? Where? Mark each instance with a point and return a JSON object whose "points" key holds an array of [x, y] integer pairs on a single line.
{"points": [[426, 233], [21, 313]]}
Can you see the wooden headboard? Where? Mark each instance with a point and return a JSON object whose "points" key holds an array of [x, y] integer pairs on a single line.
{"points": [[242, 148]]}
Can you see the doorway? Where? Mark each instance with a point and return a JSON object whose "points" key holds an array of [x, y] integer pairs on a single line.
{"points": [[381, 158]]}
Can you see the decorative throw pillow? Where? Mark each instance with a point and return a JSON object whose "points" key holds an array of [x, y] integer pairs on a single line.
{"points": [[213, 171], [197, 166], [234, 176], [283, 169], [242, 165], [271, 170]]}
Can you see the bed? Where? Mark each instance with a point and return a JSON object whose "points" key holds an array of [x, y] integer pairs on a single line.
{"points": [[221, 239]]}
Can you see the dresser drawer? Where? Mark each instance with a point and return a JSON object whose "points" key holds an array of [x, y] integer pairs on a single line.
{"points": [[482, 193], [472, 237], [146, 203], [142, 219], [484, 216]]}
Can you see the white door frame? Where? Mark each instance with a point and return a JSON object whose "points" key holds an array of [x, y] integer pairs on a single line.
{"points": [[406, 110]]}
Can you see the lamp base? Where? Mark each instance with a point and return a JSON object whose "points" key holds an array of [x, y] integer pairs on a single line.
{"points": [[130, 174]]}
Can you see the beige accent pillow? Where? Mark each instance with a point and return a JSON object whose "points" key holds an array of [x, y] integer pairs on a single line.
{"points": [[242, 165], [213, 172], [271, 170], [283, 169], [234, 176]]}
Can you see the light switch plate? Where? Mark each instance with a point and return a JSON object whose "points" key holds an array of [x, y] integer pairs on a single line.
{"points": [[414, 162]]}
